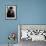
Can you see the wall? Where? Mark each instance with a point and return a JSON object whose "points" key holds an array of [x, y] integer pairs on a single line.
{"points": [[28, 12], [33, 12]]}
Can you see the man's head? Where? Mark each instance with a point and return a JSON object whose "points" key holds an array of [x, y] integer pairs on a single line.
{"points": [[10, 7]]}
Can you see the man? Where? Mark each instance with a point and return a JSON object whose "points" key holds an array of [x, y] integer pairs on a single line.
{"points": [[10, 12]]}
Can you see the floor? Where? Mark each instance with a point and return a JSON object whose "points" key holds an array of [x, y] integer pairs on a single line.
{"points": [[7, 45], [30, 43]]}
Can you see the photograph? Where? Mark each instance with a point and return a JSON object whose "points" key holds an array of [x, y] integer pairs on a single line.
{"points": [[10, 12]]}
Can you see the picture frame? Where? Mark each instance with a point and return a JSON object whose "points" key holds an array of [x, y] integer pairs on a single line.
{"points": [[10, 13]]}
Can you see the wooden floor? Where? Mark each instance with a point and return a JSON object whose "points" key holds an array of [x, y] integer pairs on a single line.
{"points": [[30, 43]]}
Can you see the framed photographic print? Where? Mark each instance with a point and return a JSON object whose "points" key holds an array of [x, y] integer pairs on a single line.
{"points": [[10, 12]]}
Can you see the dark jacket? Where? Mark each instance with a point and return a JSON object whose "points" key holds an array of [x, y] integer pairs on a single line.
{"points": [[9, 14]]}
